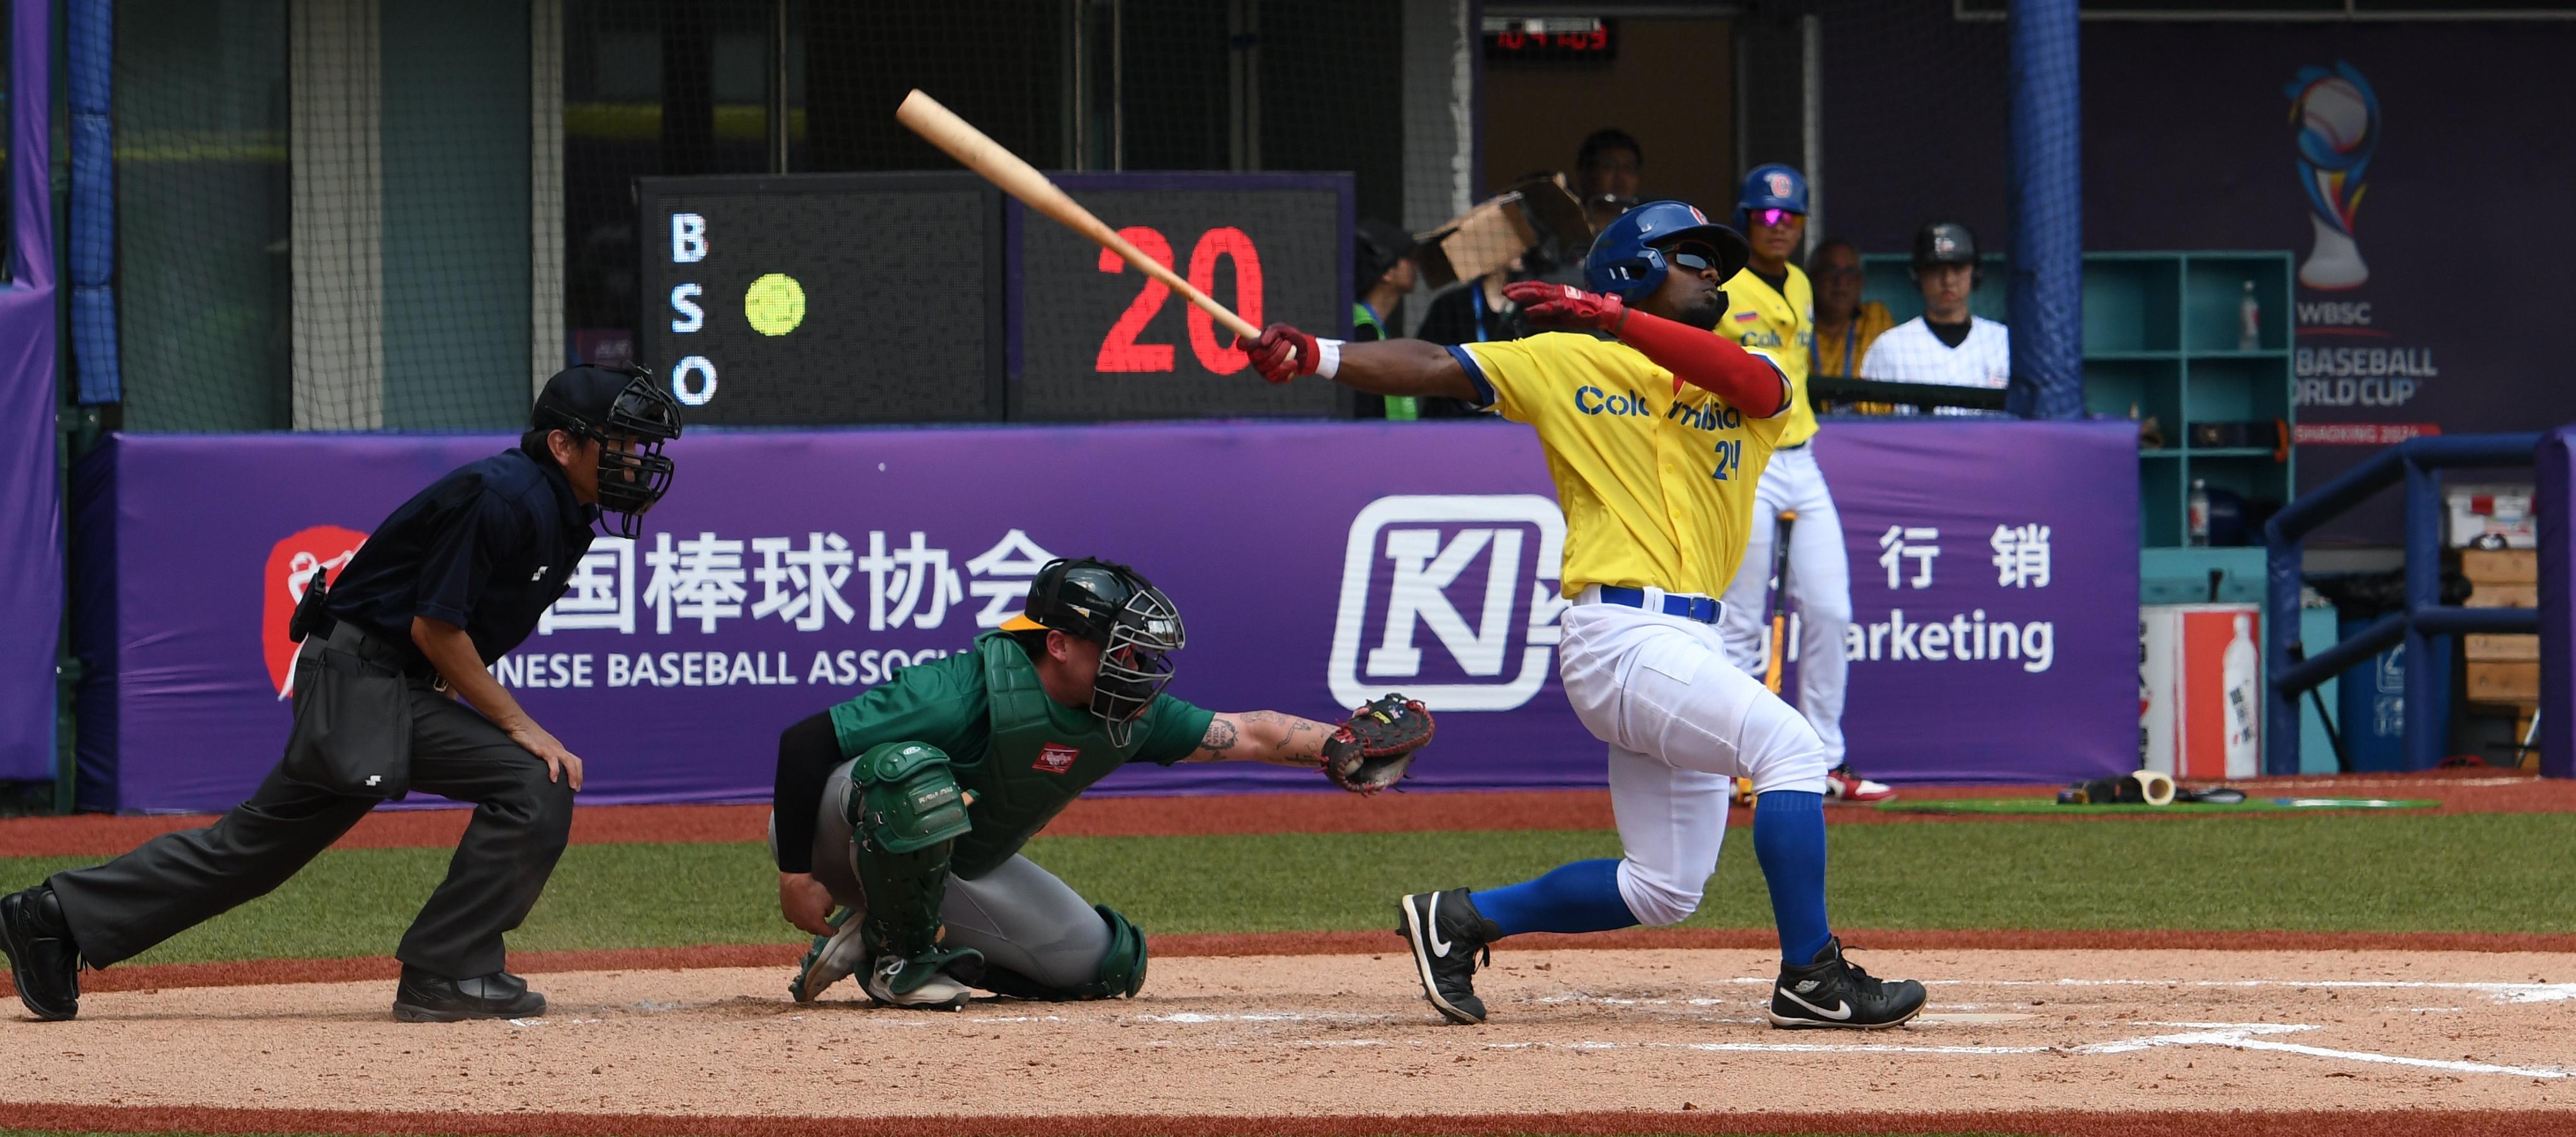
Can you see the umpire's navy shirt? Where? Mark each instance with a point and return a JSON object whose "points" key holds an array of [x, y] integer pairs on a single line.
{"points": [[486, 548]]}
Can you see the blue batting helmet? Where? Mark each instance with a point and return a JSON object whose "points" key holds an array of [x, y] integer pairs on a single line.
{"points": [[1627, 259], [1772, 187]]}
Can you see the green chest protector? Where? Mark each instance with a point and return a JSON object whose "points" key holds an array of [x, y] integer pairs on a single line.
{"points": [[1043, 754]]}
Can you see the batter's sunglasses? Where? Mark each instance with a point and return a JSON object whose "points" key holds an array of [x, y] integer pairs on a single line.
{"points": [[1774, 218], [1694, 257]]}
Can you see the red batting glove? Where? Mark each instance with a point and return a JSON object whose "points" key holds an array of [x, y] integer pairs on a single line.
{"points": [[1565, 306], [1283, 353]]}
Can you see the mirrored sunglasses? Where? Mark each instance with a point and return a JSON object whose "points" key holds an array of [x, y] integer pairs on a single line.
{"points": [[1694, 257], [1772, 217]]}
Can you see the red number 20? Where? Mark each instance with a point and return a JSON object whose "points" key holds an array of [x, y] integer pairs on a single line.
{"points": [[1119, 351]]}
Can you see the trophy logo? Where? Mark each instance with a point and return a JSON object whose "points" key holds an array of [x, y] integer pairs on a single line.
{"points": [[2337, 118]]}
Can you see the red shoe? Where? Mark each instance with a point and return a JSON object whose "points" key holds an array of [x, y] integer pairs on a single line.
{"points": [[1843, 785]]}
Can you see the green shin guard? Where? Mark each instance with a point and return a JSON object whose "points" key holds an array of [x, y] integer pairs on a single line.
{"points": [[907, 812], [1121, 974]]}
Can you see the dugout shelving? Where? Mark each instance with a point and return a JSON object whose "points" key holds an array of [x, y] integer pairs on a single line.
{"points": [[2161, 334]]}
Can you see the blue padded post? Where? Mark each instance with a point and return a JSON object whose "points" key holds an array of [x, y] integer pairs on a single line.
{"points": [[89, 50], [2047, 296]]}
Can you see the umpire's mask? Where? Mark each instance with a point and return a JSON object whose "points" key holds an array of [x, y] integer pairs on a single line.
{"points": [[630, 416], [1135, 624]]}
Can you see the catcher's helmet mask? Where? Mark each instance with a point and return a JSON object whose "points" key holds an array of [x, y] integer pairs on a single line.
{"points": [[637, 420], [1136, 625]]}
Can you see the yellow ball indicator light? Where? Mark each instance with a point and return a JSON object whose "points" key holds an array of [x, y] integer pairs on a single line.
{"points": [[775, 304]]}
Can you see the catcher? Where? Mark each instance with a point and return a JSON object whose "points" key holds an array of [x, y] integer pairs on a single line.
{"points": [[907, 806]]}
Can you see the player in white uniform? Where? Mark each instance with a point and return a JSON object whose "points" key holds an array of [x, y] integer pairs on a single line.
{"points": [[1946, 344], [1774, 310], [1655, 434]]}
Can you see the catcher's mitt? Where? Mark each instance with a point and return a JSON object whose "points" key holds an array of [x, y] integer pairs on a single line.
{"points": [[1375, 748]]}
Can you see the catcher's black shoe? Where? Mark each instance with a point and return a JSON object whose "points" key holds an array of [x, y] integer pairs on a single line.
{"points": [[426, 998], [43, 960], [1447, 932], [1834, 992]]}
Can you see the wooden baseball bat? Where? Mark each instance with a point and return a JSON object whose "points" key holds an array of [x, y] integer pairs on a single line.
{"points": [[1780, 600], [943, 129]]}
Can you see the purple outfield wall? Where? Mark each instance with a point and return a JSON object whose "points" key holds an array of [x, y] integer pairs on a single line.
{"points": [[789, 570]]}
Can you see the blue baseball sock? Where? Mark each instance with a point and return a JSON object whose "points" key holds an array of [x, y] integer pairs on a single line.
{"points": [[1581, 896], [1789, 840]]}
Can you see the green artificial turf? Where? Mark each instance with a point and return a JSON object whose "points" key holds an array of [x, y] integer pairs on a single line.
{"points": [[2045, 805], [2329, 872]]}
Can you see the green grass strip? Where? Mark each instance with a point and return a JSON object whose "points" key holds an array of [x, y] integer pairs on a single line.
{"points": [[2043, 805], [2326, 872]]}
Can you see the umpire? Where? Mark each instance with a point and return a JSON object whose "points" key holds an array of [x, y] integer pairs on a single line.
{"points": [[451, 581]]}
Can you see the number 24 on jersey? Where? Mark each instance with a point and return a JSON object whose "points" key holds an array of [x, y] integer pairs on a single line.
{"points": [[1730, 458]]}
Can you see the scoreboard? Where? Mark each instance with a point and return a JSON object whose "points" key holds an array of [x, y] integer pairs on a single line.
{"points": [[825, 299]]}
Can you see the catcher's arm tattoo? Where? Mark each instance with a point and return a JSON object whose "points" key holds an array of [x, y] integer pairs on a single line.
{"points": [[1263, 736]]}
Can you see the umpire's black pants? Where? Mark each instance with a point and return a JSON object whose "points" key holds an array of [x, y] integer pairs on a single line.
{"points": [[179, 880]]}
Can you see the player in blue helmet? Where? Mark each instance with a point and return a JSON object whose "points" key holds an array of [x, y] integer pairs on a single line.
{"points": [[1774, 309], [1656, 498], [1629, 258], [1772, 186]]}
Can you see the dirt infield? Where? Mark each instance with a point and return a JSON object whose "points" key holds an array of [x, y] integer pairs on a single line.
{"points": [[2145, 1123], [1581, 1042], [2459, 791], [265, 972]]}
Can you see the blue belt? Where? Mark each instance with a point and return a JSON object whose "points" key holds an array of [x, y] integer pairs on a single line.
{"points": [[1700, 608]]}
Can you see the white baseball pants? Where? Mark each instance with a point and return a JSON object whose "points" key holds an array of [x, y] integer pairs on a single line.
{"points": [[1819, 591], [1682, 722]]}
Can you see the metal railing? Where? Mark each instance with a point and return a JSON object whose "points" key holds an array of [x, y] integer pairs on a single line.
{"points": [[2414, 462]]}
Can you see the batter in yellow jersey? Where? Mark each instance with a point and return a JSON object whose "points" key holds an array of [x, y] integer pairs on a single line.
{"points": [[1657, 437], [1657, 487]]}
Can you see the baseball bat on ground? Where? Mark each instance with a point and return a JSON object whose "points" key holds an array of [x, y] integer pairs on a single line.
{"points": [[942, 128]]}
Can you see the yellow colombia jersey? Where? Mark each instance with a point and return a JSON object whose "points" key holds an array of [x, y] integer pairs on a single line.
{"points": [[1759, 317], [1657, 488]]}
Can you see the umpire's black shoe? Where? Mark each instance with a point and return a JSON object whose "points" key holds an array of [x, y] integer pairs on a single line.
{"points": [[426, 998], [1446, 932], [1834, 992], [43, 960]]}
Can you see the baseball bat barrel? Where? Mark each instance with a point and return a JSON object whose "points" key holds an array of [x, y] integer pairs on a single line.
{"points": [[942, 128]]}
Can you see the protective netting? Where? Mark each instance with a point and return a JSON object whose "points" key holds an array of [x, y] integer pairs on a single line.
{"points": [[204, 276], [1917, 102], [399, 214]]}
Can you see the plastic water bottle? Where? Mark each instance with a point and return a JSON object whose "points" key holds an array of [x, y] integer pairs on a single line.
{"points": [[2199, 512], [2249, 319], [2236, 676]]}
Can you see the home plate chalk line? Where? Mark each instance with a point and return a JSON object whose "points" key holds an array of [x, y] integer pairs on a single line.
{"points": [[2259, 1037]]}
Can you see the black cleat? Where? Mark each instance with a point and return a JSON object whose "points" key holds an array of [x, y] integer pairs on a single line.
{"points": [[426, 998], [43, 960], [1447, 932], [1833, 992]]}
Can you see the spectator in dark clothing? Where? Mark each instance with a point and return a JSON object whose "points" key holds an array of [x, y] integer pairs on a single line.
{"points": [[1382, 274]]}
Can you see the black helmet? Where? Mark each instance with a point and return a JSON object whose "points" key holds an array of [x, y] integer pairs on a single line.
{"points": [[1135, 624], [596, 402], [1948, 242]]}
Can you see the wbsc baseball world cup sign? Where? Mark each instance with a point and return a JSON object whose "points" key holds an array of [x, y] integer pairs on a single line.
{"points": [[1994, 588]]}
